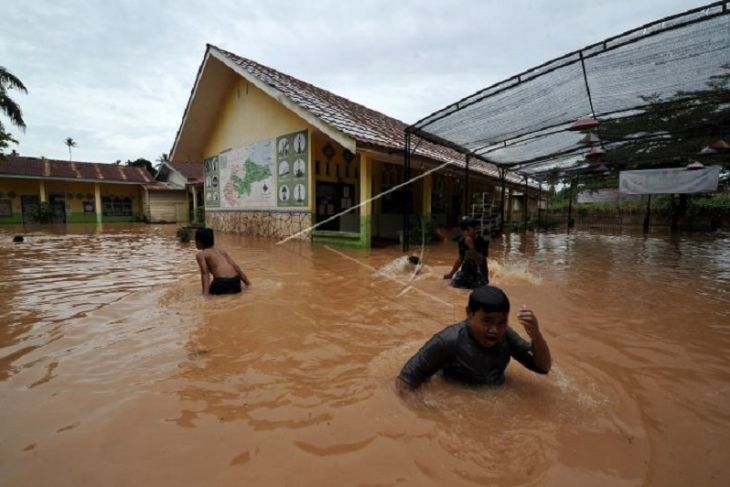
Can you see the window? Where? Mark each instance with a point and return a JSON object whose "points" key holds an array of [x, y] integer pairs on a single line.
{"points": [[116, 206]]}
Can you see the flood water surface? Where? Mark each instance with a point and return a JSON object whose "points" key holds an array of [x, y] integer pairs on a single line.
{"points": [[114, 370]]}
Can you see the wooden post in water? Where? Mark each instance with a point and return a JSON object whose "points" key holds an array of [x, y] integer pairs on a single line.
{"points": [[570, 204], [539, 199], [647, 216]]}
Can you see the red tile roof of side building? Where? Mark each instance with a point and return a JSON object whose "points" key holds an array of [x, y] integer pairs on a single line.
{"points": [[41, 168]]}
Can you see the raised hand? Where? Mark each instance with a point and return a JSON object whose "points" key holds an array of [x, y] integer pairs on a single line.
{"points": [[529, 321]]}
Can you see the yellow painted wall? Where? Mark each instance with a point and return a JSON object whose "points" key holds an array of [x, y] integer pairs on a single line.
{"points": [[336, 163], [20, 187], [70, 191], [249, 115]]}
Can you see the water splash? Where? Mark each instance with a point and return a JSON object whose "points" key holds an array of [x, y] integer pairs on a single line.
{"points": [[513, 272]]}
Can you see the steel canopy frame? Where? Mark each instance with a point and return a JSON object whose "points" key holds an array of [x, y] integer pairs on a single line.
{"points": [[427, 128]]}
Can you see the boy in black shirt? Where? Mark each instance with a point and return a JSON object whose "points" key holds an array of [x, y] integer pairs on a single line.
{"points": [[477, 350], [471, 266]]}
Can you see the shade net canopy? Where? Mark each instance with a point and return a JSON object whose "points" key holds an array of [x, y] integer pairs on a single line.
{"points": [[660, 95]]}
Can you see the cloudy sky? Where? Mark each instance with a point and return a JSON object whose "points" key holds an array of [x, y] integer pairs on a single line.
{"points": [[116, 75]]}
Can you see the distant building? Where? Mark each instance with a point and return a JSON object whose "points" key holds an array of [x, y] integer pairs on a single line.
{"points": [[177, 195], [75, 192]]}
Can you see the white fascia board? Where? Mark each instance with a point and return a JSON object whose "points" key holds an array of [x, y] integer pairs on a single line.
{"points": [[190, 102]]}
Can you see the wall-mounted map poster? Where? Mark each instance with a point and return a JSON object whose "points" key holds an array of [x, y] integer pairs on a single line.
{"points": [[292, 165], [247, 176], [212, 183]]}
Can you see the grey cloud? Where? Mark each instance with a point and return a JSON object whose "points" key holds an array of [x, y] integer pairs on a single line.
{"points": [[116, 76]]}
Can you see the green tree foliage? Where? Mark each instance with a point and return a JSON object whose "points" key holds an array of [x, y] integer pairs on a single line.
{"points": [[669, 132], [143, 163], [9, 107], [161, 159]]}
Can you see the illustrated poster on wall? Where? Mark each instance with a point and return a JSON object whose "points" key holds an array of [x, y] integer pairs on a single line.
{"points": [[247, 177], [212, 182], [292, 165]]}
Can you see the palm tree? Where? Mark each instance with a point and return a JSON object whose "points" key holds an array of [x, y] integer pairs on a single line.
{"points": [[7, 106], [70, 143], [163, 158], [8, 82]]}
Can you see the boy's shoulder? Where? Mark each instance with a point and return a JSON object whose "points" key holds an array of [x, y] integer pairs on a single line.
{"points": [[452, 332], [205, 252]]}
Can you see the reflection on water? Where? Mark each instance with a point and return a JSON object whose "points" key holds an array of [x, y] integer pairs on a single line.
{"points": [[111, 360]]}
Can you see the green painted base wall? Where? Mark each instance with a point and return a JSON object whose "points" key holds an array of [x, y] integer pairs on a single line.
{"points": [[116, 219], [17, 219], [11, 220], [345, 239], [81, 218]]}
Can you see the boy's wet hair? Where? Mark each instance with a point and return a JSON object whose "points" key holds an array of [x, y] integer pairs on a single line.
{"points": [[467, 222], [204, 236], [488, 298]]}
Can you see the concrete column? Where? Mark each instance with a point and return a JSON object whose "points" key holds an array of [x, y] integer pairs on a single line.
{"points": [[42, 190], [426, 200], [312, 177], [427, 190], [366, 192], [97, 201], [195, 202], [510, 199]]}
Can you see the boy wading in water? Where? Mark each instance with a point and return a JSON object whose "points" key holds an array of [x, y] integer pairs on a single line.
{"points": [[227, 276], [471, 266], [477, 350]]}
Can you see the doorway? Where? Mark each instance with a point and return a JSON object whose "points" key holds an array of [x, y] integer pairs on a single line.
{"points": [[29, 205], [58, 208]]}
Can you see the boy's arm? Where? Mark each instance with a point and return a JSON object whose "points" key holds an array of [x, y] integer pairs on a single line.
{"points": [[241, 275], [457, 264], [539, 348], [204, 279], [426, 362]]}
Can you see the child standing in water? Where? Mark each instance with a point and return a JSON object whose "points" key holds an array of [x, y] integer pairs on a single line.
{"points": [[227, 276], [470, 268]]}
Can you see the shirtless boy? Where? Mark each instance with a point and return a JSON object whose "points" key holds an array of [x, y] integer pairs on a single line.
{"points": [[227, 276]]}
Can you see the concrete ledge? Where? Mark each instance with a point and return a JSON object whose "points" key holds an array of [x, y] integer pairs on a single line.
{"points": [[345, 239]]}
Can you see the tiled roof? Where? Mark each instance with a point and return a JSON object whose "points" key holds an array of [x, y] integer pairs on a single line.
{"points": [[34, 167], [369, 128], [193, 171]]}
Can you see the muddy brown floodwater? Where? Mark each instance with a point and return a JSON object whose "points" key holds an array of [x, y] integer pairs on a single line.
{"points": [[114, 370]]}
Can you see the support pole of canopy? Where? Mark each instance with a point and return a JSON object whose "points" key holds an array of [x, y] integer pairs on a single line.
{"points": [[588, 88], [524, 210], [539, 199], [501, 208], [466, 186], [647, 216], [406, 177], [570, 204]]}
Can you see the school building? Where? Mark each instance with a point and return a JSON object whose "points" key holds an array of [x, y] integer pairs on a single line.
{"points": [[72, 192], [280, 155], [52, 191]]}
